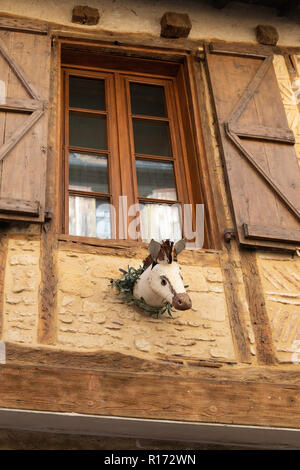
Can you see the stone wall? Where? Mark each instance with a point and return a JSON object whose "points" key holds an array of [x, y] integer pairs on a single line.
{"points": [[91, 314]]}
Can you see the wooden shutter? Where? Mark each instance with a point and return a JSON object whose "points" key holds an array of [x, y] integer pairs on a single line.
{"points": [[258, 149], [24, 93]]}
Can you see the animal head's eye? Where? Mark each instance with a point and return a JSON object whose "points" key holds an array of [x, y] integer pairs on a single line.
{"points": [[163, 282]]}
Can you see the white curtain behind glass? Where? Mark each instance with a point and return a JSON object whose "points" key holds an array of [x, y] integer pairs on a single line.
{"points": [[160, 221], [89, 217]]}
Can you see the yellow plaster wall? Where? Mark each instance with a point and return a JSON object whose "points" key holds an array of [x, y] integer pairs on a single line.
{"points": [[234, 23]]}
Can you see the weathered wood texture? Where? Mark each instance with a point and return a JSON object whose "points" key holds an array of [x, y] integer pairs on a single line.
{"points": [[133, 249], [257, 309], [175, 25], [272, 232], [235, 307], [262, 174], [23, 25], [102, 360], [149, 396], [48, 290], [10, 205], [3, 255], [217, 217], [25, 89], [85, 15], [49, 242]]}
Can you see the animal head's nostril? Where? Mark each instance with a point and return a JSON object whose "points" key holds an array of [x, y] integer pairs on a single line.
{"points": [[182, 301]]}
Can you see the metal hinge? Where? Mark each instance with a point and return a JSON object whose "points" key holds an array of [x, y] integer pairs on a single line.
{"points": [[48, 214], [229, 233]]}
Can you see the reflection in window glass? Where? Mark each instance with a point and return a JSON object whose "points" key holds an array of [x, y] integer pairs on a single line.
{"points": [[88, 172], [86, 93], [88, 131], [148, 100], [151, 137], [89, 217], [160, 221], [156, 180]]}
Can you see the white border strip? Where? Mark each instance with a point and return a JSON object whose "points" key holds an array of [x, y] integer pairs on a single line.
{"points": [[2, 353], [108, 426]]}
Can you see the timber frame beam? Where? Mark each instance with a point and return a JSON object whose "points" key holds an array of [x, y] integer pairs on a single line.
{"points": [[108, 384]]}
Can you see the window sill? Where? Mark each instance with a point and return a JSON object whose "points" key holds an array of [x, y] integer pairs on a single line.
{"points": [[136, 249]]}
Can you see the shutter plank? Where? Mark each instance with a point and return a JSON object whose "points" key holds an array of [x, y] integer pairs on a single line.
{"points": [[25, 73], [260, 163], [19, 105], [272, 232], [20, 207], [274, 134]]}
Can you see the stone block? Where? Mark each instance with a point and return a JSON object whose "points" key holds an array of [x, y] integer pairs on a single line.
{"points": [[267, 34], [175, 25], [85, 15]]}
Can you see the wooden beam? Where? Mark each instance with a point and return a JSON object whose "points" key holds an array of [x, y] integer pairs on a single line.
{"points": [[235, 307], [272, 233], [137, 395], [251, 50], [49, 241], [257, 308], [48, 290], [21, 105], [160, 365], [262, 132], [17, 206], [23, 25], [3, 256]]}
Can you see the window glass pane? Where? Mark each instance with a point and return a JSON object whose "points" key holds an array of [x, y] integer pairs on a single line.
{"points": [[88, 93], [88, 131], [88, 172], [147, 99], [160, 221], [151, 137], [89, 217], [156, 180]]}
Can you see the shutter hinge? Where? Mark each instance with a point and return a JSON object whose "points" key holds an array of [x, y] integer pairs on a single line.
{"points": [[229, 233], [48, 217], [48, 214]]}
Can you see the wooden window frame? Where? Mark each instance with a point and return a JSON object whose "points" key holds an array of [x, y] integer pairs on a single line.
{"points": [[178, 67]]}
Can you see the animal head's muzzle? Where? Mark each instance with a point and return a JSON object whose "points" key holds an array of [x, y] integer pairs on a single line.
{"points": [[182, 301]]}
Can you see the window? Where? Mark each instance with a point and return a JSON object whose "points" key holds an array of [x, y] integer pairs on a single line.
{"points": [[126, 170]]}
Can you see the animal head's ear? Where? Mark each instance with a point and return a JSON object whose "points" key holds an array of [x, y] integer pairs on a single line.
{"points": [[154, 249], [179, 247]]}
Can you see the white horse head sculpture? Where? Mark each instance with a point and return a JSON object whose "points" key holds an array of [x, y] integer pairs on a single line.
{"points": [[162, 280]]}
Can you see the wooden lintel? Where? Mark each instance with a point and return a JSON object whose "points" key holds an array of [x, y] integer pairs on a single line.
{"points": [[137, 395], [249, 50], [23, 25]]}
